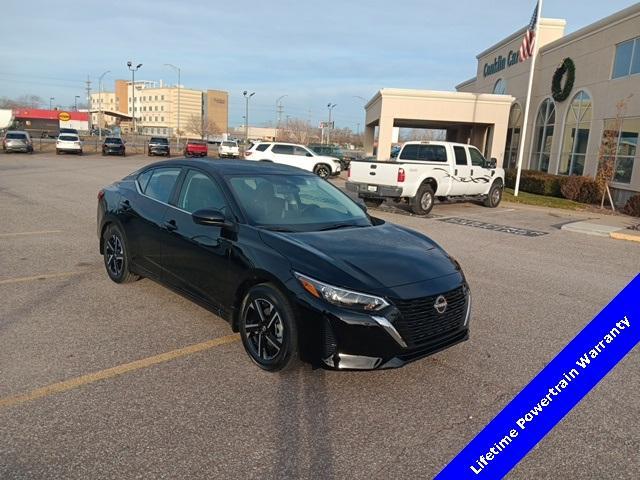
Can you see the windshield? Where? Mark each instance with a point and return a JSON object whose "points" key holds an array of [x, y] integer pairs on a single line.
{"points": [[297, 203], [162, 141]]}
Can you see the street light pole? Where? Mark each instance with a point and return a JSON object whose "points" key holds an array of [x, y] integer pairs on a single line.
{"points": [[246, 116], [330, 106], [278, 115], [51, 99], [75, 103], [133, 91], [177, 69], [100, 115]]}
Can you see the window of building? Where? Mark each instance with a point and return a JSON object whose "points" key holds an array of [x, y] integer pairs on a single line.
{"points": [[500, 87], [624, 146], [162, 108], [156, 119], [627, 61], [162, 97], [513, 136], [576, 135], [545, 123], [129, 99], [156, 98], [162, 119]]}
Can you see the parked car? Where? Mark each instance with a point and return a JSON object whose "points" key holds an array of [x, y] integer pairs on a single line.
{"points": [[113, 146], [68, 143], [158, 146], [294, 155], [426, 170], [229, 149], [295, 265], [196, 148], [333, 151], [17, 141]]}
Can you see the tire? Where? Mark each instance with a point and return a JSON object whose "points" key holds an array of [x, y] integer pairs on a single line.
{"points": [[422, 203], [116, 256], [494, 197], [270, 339], [322, 170], [80, 152], [124, 154], [104, 154], [373, 202], [57, 152]]}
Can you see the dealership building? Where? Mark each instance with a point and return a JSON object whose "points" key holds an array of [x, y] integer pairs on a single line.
{"points": [[596, 96]]}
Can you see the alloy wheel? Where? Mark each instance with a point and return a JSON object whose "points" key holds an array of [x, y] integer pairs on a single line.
{"points": [[264, 329], [426, 201], [114, 250], [495, 195], [322, 172]]}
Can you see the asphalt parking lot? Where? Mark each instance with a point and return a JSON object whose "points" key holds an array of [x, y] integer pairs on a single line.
{"points": [[99, 380]]}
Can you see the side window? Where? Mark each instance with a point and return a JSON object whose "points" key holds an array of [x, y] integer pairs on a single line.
{"points": [[425, 153], [199, 191], [477, 160], [143, 178], [302, 152], [262, 147], [282, 149], [461, 156], [161, 183]]}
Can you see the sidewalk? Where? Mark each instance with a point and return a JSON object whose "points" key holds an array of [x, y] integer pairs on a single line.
{"points": [[614, 226]]}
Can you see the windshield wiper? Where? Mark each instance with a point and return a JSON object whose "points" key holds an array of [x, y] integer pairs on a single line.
{"points": [[340, 225], [276, 229]]}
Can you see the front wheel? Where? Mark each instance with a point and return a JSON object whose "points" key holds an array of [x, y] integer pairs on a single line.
{"points": [[322, 170], [495, 196], [268, 328], [422, 203], [115, 255]]}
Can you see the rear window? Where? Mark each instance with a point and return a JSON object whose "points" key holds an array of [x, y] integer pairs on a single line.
{"points": [[426, 153], [229, 144], [162, 141], [262, 147], [196, 142], [16, 136], [113, 140], [69, 138]]}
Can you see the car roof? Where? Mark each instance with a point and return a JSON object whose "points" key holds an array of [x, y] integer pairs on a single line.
{"points": [[232, 167]]}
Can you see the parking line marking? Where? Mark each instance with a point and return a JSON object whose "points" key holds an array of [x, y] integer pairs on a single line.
{"points": [[77, 382], [19, 234], [43, 276]]}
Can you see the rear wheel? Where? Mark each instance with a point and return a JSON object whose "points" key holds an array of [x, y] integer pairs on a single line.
{"points": [[322, 170], [116, 256], [268, 328], [495, 196], [422, 203]]}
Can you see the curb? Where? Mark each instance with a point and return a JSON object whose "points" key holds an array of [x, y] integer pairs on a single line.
{"points": [[625, 236]]}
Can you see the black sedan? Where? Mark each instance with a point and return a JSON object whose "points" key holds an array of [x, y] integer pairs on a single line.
{"points": [[113, 146], [296, 266]]}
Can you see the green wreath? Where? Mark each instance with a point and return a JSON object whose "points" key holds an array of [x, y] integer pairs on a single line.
{"points": [[558, 92]]}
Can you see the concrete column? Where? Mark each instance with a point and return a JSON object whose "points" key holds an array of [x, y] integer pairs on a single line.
{"points": [[368, 137], [498, 142], [385, 138]]}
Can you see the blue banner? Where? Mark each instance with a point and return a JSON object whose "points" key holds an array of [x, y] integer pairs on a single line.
{"points": [[553, 392]]}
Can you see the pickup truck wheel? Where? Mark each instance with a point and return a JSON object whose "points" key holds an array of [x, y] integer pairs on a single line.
{"points": [[422, 203], [495, 196], [322, 170], [373, 202]]}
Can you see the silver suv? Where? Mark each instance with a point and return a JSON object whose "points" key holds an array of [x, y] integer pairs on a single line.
{"points": [[17, 141]]}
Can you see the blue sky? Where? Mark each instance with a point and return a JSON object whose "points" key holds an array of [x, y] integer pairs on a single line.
{"points": [[313, 52]]}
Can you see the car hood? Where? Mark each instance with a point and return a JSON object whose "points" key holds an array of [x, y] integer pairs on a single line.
{"points": [[328, 158], [370, 258]]}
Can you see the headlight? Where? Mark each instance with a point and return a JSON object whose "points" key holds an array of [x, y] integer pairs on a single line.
{"points": [[340, 296]]}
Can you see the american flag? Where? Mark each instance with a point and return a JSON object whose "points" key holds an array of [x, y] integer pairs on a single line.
{"points": [[529, 40]]}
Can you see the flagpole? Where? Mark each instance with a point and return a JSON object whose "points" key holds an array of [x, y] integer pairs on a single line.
{"points": [[527, 103]]}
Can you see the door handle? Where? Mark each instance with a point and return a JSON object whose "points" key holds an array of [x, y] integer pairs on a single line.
{"points": [[472, 173], [455, 172], [170, 225]]}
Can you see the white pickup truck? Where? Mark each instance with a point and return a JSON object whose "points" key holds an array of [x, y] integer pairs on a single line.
{"points": [[424, 171]]}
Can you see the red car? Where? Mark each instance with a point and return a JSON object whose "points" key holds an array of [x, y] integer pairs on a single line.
{"points": [[196, 148]]}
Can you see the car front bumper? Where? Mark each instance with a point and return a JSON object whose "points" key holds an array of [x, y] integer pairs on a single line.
{"points": [[374, 191], [118, 150], [159, 150], [342, 339]]}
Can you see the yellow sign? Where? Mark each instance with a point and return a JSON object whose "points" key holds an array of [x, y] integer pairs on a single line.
{"points": [[64, 116]]}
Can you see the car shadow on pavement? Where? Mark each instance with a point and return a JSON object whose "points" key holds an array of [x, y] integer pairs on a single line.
{"points": [[302, 418]]}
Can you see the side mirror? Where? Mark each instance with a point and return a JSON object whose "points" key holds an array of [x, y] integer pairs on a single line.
{"points": [[210, 217], [491, 163]]}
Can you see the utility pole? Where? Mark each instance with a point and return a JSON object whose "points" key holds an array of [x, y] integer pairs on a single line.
{"points": [[246, 116], [177, 69], [133, 91], [279, 110], [330, 106], [88, 83], [51, 99], [100, 115]]}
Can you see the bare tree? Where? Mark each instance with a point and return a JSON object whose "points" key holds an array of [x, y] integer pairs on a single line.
{"points": [[23, 101], [421, 134], [202, 127]]}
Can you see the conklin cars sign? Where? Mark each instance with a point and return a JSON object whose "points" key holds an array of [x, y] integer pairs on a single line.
{"points": [[500, 63]]}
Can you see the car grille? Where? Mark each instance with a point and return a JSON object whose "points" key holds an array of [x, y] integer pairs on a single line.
{"points": [[421, 323]]}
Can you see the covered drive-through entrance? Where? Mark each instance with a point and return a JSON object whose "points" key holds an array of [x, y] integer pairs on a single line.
{"points": [[477, 119]]}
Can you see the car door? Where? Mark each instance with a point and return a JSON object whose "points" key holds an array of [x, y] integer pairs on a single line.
{"points": [[480, 175], [195, 257], [461, 178], [305, 159], [142, 213], [283, 154]]}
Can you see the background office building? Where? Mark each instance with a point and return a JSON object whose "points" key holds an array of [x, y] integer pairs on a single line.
{"points": [[156, 109], [566, 128]]}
